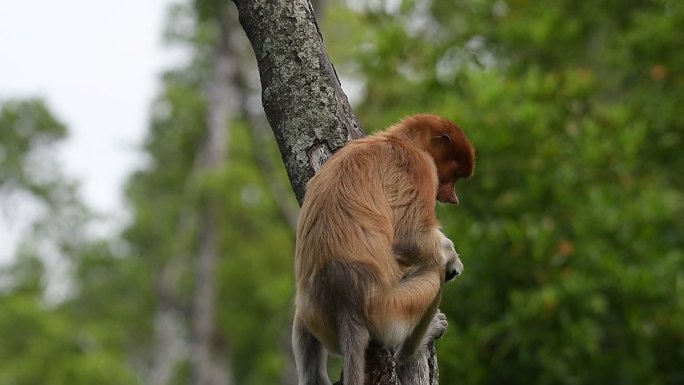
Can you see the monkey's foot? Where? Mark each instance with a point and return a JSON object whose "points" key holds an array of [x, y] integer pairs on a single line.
{"points": [[437, 328]]}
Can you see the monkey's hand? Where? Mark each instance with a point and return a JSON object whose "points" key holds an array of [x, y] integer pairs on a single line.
{"points": [[454, 266]]}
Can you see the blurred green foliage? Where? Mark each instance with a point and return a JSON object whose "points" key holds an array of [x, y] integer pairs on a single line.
{"points": [[571, 230], [44, 340]]}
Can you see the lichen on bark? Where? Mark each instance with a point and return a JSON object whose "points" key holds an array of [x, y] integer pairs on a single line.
{"points": [[301, 93]]}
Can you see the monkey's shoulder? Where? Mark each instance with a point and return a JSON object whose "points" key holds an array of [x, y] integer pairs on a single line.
{"points": [[381, 150]]}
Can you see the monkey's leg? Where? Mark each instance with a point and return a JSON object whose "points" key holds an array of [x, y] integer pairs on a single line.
{"points": [[354, 338], [431, 326], [310, 356], [403, 314]]}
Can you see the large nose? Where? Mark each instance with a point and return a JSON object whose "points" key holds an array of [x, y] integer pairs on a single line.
{"points": [[451, 275], [454, 269]]}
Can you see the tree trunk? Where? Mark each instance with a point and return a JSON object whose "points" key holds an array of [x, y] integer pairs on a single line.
{"points": [[170, 332], [311, 118], [301, 94]]}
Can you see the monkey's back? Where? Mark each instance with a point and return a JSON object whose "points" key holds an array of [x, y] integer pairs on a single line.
{"points": [[345, 215], [347, 230]]}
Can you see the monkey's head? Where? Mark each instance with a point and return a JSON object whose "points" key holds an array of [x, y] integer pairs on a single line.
{"points": [[453, 154]]}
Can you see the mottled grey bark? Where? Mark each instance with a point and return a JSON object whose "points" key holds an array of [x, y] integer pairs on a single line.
{"points": [[301, 94], [311, 118]]}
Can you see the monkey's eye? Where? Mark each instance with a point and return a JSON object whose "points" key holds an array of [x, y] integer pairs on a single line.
{"points": [[444, 137]]}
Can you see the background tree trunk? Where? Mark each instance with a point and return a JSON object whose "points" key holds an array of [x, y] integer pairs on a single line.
{"points": [[223, 103], [311, 118]]}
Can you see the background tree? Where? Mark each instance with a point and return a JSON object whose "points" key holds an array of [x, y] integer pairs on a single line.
{"points": [[249, 232]]}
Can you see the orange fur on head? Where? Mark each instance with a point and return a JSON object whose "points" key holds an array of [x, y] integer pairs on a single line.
{"points": [[453, 154]]}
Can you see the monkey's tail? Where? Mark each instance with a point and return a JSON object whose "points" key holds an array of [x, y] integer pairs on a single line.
{"points": [[354, 339]]}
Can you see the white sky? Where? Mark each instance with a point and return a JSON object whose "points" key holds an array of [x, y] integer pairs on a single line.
{"points": [[97, 64]]}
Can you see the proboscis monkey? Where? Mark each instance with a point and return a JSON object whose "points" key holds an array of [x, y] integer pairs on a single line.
{"points": [[370, 258]]}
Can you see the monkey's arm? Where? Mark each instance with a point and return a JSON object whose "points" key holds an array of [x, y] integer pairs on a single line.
{"points": [[412, 192], [433, 324]]}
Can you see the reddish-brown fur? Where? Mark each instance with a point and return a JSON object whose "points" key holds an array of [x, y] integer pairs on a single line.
{"points": [[371, 208]]}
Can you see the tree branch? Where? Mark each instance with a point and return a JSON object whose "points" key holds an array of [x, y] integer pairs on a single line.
{"points": [[311, 118]]}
